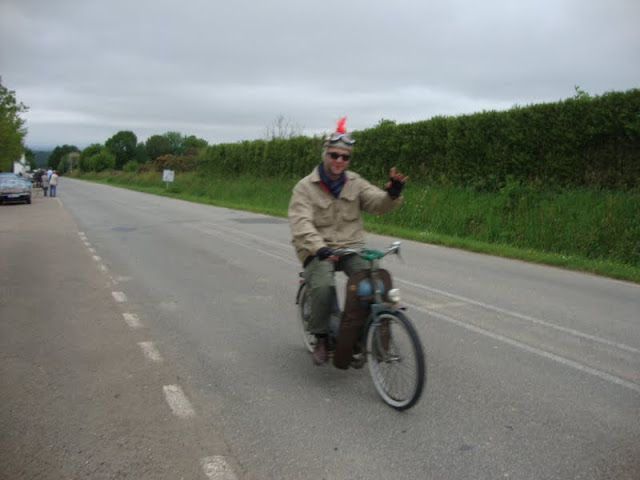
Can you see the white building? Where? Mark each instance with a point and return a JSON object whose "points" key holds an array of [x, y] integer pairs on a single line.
{"points": [[21, 166]]}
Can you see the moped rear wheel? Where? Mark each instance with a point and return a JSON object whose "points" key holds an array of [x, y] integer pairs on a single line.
{"points": [[304, 313], [396, 360]]}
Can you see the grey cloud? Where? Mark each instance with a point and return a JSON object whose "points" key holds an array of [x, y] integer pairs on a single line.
{"points": [[224, 70]]}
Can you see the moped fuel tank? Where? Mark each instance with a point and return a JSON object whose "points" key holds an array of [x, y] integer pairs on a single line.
{"points": [[364, 290]]}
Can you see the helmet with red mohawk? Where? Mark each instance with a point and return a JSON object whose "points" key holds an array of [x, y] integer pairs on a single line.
{"points": [[340, 138]]}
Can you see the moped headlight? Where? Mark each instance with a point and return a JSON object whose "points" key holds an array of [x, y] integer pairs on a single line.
{"points": [[394, 295]]}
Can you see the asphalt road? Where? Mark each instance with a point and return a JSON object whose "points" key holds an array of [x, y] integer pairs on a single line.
{"points": [[533, 372], [80, 395]]}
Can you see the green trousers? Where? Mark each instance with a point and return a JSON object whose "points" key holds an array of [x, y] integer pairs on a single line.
{"points": [[320, 277]]}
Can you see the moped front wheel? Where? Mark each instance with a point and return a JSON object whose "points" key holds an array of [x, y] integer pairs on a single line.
{"points": [[396, 359], [304, 313]]}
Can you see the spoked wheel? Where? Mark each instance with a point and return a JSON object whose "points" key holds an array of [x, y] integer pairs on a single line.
{"points": [[304, 312], [396, 360]]}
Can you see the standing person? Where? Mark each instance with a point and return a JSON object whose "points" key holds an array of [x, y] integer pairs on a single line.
{"points": [[44, 181], [53, 184], [325, 214], [49, 173]]}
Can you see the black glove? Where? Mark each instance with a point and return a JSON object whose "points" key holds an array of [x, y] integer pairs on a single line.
{"points": [[395, 189], [324, 253]]}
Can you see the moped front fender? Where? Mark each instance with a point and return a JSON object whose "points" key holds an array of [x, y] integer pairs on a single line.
{"points": [[377, 310]]}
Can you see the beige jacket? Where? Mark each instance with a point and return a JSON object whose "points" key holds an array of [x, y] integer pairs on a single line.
{"points": [[318, 219]]}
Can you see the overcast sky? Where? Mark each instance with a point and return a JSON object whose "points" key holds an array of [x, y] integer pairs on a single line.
{"points": [[223, 71]]}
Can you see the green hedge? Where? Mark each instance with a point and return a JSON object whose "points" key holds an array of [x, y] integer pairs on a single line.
{"points": [[579, 142]]}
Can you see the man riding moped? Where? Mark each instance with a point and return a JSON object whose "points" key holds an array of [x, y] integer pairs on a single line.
{"points": [[325, 215]]}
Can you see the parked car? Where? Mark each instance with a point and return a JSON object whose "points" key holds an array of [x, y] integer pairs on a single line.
{"points": [[14, 190]]}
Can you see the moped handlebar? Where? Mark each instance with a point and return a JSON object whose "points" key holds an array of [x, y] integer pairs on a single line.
{"points": [[369, 253]]}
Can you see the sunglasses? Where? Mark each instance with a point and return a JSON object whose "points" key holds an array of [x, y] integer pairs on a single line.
{"points": [[337, 136], [336, 156]]}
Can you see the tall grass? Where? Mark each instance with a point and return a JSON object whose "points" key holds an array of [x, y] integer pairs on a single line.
{"points": [[592, 224], [590, 230]]}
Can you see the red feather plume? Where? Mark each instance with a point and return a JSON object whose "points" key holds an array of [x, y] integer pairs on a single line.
{"points": [[340, 128]]}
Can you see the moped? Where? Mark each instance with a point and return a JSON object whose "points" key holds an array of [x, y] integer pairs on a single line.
{"points": [[378, 334]]}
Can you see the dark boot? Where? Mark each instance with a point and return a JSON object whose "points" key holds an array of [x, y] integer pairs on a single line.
{"points": [[320, 353]]}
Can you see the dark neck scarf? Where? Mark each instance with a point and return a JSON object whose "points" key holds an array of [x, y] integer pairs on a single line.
{"points": [[334, 186]]}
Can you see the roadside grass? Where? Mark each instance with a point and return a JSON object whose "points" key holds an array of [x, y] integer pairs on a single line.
{"points": [[585, 230]]}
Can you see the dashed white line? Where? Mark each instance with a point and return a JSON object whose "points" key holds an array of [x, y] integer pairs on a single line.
{"points": [[150, 351], [178, 401], [119, 297], [132, 320], [217, 468]]}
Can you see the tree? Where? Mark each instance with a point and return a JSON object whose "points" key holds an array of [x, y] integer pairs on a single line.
{"points": [[30, 157], [157, 145], [123, 147], [84, 162], [60, 151], [12, 131], [282, 127], [173, 143], [96, 158], [141, 153], [175, 140], [580, 93], [192, 145], [65, 164], [385, 122]]}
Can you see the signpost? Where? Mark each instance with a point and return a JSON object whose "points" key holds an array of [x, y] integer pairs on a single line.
{"points": [[167, 177]]}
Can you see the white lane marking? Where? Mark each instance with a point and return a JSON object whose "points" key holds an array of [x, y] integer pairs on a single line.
{"points": [[86, 243], [97, 258], [527, 318], [150, 351], [103, 267], [119, 297], [514, 343], [178, 401], [217, 468], [441, 306], [132, 320], [82, 234], [92, 250]]}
